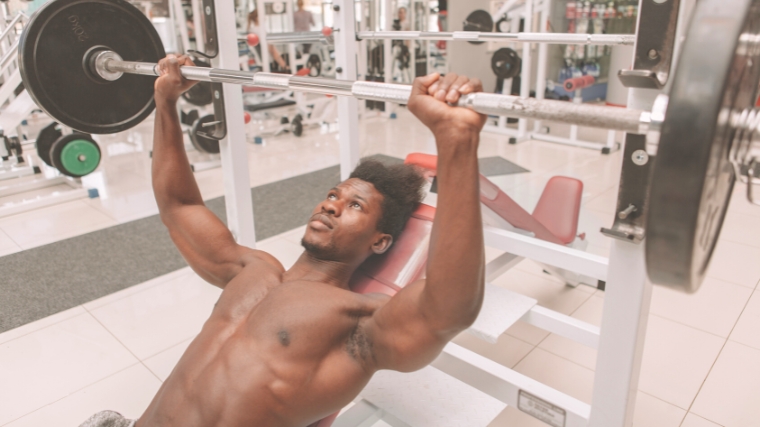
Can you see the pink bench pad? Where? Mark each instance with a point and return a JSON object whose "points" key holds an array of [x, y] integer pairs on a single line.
{"points": [[555, 218]]}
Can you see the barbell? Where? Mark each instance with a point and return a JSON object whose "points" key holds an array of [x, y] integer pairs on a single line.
{"points": [[82, 61]]}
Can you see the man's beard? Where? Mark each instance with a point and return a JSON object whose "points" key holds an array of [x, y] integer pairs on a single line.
{"points": [[326, 252]]}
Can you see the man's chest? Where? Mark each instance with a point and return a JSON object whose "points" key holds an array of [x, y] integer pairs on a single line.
{"points": [[303, 319]]}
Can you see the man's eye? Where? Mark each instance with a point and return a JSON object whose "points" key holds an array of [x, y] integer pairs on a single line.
{"points": [[331, 197], [356, 205]]}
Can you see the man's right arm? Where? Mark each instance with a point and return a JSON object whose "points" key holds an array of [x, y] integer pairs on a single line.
{"points": [[410, 330], [202, 239]]}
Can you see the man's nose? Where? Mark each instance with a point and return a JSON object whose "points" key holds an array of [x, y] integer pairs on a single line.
{"points": [[331, 207]]}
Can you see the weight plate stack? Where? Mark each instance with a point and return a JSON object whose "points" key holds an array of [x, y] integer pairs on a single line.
{"points": [[717, 75], [75, 155], [200, 142], [45, 140], [52, 53]]}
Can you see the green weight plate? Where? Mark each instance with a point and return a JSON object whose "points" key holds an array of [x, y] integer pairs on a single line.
{"points": [[75, 154], [200, 142], [52, 52], [45, 140], [692, 181]]}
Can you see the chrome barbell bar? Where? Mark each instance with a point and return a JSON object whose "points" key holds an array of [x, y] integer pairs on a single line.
{"points": [[549, 38], [110, 66]]}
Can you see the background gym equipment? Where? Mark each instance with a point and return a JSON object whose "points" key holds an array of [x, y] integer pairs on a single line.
{"points": [[479, 21], [201, 142], [506, 63], [97, 56], [75, 155]]}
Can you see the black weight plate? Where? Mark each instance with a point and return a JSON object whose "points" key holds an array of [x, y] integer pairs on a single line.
{"points": [[45, 140], [692, 177], [51, 55], [478, 20], [506, 63], [202, 143], [200, 94]]}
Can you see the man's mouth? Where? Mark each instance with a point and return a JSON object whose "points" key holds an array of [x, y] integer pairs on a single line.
{"points": [[323, 219]]}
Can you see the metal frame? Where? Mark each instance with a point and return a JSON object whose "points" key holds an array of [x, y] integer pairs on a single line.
{"points": [[233, 148]]}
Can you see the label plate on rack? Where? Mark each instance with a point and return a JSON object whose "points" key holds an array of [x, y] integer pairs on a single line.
{"points": [[541, 409]]}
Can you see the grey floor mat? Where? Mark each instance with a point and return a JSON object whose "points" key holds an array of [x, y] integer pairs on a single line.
{"points": [[48, 279]]}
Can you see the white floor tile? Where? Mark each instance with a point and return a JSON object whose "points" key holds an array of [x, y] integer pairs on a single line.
{"points": [[284, 250], [137, 288], [561, 374], [54, 223], [39, 324], [605, 202], [739, 202], [7, 245], [161, 316], [549, 292], [692, 420], [651, 411], [51, 363], [127, 392], [741, 228], [163, 363], [714, 308], [731, 395], [735, 263], [747, 330], [507, 350], [295, 235], [513, 417], [590, 312], [676, 360]]}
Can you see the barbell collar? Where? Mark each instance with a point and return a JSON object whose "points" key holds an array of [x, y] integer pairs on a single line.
{"points": [[627, 120]]}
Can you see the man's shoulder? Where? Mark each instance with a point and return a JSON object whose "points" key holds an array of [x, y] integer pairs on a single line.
{"points": [[257, 257]]}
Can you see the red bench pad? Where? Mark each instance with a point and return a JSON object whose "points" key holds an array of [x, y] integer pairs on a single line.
{"points": [[555, 218]]}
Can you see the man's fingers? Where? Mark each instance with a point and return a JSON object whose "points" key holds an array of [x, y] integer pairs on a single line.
{"points": [[476, 85], [421, 84], [444, 86], [452, 96]]}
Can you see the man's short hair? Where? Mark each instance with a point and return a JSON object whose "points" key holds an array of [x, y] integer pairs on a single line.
{"points": [[401, 187]]}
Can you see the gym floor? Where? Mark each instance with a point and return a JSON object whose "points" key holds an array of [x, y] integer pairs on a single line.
{"points": [[701, 363]]}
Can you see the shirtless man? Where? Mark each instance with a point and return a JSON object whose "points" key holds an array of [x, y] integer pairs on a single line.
{"points": [[290, 347]]}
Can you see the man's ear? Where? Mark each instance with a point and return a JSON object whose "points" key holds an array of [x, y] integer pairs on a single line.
{"points": [[382, 244]]}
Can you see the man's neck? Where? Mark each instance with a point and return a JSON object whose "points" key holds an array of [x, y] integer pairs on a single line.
{"points": [[312, 269]]}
